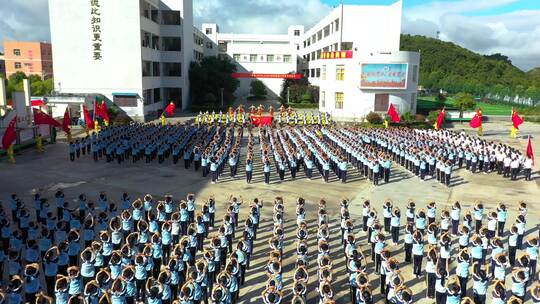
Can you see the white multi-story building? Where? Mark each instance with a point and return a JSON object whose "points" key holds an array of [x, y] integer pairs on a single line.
{"points": [[266, 57], [352, 55], [136, 53]]}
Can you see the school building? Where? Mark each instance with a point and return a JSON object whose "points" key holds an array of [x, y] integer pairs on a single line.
{"points": [[137, 55]]}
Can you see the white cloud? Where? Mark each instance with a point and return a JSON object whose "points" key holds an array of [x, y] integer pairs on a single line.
{"points": [[515, 34], [258, 16], [24, 20]]}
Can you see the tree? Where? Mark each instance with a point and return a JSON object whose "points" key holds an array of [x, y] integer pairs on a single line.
{"points": [[258, 89], [287, 83], [463, 102], [210, 75]]}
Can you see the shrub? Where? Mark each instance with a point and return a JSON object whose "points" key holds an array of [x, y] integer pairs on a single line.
{"points": [[407, 117], [433, 115], [374, 118]]}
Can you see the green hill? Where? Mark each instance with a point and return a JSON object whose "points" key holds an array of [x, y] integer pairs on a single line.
{"points": [[456, 69]]}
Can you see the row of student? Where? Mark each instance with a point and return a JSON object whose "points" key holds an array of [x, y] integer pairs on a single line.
{"points": [[140, 256], [433, 241]]}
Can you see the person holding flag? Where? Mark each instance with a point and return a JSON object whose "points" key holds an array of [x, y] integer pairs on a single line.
{"points": [[516, 122], [476, 122], [440, 119], [101, 111], [529, 160], [88, 120], [9, 137], [393, 114], [66, 123], [41, 118]]}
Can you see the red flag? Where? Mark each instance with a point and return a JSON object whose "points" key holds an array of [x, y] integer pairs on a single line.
{"points": [[88, 119], [41, 118], [10, 135], [440, 119], [394, 115], [476, 122], [170, 109], [101, 111], [259, 121], [516, 119], [66, 123], [530, 153]]}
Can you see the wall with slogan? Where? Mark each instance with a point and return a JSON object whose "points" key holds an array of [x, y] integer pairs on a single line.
{"points": [[384, 76]]}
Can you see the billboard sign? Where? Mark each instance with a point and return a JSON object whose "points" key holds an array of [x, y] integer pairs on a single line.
{"points": [[384, 76]]}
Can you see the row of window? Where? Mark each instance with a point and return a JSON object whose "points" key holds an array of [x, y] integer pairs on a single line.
{"points": [[163, 17], [156, 69], [168, 44], [262, 58], [316, 72], [381, 103], [151, 96], [339, 97], [323, 33]]}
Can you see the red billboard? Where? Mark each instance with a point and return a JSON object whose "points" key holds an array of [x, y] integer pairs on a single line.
{"points": [[262, 75], [337, 55]]}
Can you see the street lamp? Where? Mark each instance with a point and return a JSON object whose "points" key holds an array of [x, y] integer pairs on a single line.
{"points": [[222, 97]]}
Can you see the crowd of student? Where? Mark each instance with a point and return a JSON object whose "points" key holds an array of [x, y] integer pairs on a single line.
{"points": [[135, 251], [329, 149]]}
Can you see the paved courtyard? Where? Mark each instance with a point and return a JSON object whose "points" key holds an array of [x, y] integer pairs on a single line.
{"points": [[48, 172]]}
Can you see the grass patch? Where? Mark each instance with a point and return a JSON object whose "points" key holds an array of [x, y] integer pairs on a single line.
{"points": [[427, 104]]}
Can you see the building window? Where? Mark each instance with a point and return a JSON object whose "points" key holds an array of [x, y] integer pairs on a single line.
{"points": [[319, 54], [208, 31], [323, 99], [252, 58], [157, 95], [236, 57], [339, 100], [327, 31], [147, 68], [17, 52], [155, 69], [297, 32], [340, 72], [174, 95], [172, 44], [287, 58], [171, 18], [318, 72], [323, 72], [312, 72], [209, 45], [147, 96], [336, 25], [18, 65], [312, 55], [269, 58], [172, 69], [414, 73]]}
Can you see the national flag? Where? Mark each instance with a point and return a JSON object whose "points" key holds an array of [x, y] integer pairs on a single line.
{"points": [[170, 109], [41, 118], [88, 119], [394, 115], [476, 121], [66, 123], [440, 119], [101, 111], [259, 121], [530, 153], [516, 119], [10, 135]]}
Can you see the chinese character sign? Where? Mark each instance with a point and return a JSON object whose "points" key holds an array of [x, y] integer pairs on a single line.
{"points": [[95, 23], [384, 76]]}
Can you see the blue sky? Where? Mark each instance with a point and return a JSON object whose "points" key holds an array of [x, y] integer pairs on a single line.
{"points": [[510, 27]]}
